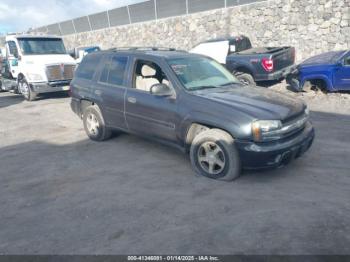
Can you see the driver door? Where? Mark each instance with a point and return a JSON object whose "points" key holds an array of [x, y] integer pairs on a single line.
{"points": [[12, 58], [341, 78], [147, 114]]}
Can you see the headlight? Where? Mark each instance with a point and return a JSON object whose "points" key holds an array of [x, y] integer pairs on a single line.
{"points": [[35, 77], [259, 127]]}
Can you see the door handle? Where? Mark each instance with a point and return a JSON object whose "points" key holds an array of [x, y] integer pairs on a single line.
{"points": [[98, 92], [132, 100]]}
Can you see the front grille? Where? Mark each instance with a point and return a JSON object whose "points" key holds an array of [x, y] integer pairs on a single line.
{"points": [[288, 129], [59, 72], [295, 125]]}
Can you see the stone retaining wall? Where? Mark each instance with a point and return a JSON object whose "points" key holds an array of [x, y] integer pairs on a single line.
{"points": [[312, 26]]}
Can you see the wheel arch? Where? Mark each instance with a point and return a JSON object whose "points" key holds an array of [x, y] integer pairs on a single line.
{"points": [[193, 128], [318, 78], [21, 76], [84, 103], [244, 69]]}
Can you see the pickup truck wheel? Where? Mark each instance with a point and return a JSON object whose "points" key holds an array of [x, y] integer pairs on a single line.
{"points": [[245, 78], [25, 90], [94, 124], [214, 155]]}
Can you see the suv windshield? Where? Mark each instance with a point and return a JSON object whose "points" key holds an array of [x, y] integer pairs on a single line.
{"points": [[41, 46], [200, 73]]}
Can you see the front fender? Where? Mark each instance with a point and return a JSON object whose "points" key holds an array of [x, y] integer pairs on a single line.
{"points": [[26, 69], [227, 124], [309, 77]]}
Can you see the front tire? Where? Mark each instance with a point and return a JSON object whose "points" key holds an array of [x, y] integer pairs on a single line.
{"points": [[94, 124], [214, 155], [24, 88]]}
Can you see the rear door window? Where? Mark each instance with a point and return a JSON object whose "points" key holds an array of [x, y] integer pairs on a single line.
{"points": [[87, 68], [114, 70]]}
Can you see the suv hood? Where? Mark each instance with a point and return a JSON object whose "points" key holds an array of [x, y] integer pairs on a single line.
{"points": [[257, 102], [48, 59]]}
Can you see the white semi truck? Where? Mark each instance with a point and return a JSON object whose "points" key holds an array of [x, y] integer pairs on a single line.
{"points": [[36, 64]]}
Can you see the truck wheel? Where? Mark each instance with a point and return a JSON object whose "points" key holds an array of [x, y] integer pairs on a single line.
{"points": [[94, 124], [214, 155], [245, 78], [24, 88], [308, 87]]}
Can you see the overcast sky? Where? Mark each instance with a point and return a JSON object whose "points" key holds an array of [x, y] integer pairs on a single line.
{"points": [[20, 15]]}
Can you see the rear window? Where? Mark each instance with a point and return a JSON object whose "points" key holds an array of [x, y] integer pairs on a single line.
{"points": [[114, 70], [242, 44], [88, 66]]}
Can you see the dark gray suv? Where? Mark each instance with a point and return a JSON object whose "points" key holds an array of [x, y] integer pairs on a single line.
{"points": [[193, 103]]}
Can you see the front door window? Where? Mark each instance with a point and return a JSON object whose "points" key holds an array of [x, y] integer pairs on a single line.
{"points": [[148, 74]]}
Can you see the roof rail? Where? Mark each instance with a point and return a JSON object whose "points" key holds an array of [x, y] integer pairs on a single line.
{"points": [[145, 48]]}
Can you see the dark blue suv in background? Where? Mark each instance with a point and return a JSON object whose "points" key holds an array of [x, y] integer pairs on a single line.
{"points": [[193, 103]]}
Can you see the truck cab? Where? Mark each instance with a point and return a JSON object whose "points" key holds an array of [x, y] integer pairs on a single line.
{"points": [[36, 64]]}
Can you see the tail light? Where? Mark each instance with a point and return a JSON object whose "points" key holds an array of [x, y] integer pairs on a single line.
{"points": [[267, 64]]}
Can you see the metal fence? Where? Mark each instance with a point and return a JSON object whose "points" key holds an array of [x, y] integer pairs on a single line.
{"points": [[140, 12]]}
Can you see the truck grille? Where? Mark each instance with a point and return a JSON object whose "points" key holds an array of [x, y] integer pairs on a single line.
{"points": [[60, 72]]}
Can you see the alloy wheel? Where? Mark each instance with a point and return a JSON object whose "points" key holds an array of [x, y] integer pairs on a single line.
{"points": [[92, 124], [211, 158]]}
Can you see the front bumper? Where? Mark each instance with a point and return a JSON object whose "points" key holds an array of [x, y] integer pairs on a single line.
{"points": [[48, 87], [293, 80], [276, 75], [275, 154]]}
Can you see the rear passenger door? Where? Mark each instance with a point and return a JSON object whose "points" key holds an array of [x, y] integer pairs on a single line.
{"points": [[110, 89]]}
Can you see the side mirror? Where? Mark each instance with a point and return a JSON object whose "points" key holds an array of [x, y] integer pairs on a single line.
{"points": [[340, 63], [161, 90], [14, 62]]}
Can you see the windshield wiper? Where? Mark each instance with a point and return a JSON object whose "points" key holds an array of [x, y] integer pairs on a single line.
{"points": [[229, 83], [203, 87]]}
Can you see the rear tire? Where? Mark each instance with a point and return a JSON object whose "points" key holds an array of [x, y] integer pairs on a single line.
{"points": [[94, 124], [214, 155], [245, 78]]}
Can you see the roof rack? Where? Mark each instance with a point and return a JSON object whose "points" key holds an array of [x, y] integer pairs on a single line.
{"points": [[145, 48]]}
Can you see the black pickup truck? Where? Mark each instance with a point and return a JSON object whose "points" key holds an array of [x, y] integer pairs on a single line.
{"points": [[249, 65]]}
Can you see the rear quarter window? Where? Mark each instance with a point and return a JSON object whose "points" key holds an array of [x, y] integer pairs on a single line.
{"points": [[88, 66]]}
